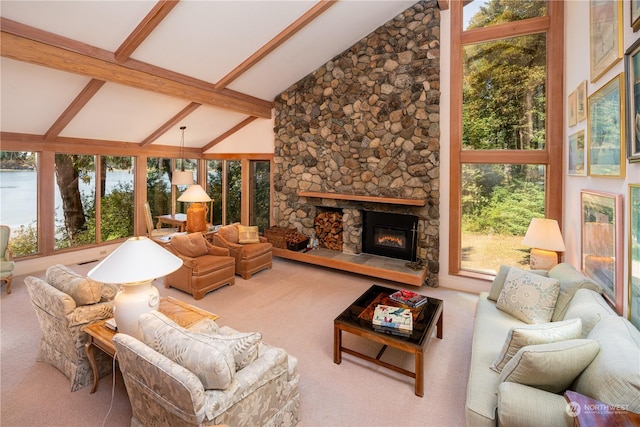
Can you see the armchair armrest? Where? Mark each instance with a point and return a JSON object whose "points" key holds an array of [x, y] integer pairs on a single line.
{"points": [[522, 406], [222, 242], [188, 262], [86, 314]]}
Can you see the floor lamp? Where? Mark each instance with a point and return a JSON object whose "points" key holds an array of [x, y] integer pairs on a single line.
{"points": [[134, 265]]}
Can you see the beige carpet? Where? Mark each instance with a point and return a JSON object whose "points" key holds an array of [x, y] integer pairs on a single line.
{"points": [[293, 306]]}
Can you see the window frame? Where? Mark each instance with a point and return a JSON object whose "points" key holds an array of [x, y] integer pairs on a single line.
{"points": [[551, 156]]}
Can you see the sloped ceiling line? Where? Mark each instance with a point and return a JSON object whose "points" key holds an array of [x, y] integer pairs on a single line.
{"points": [[170, 123], [228, 133]]}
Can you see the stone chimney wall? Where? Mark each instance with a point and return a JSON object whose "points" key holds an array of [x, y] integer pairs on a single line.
{"points": [[367, 123]]}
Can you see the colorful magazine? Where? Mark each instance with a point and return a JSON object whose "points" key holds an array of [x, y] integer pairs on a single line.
{"points": [[393, 317], [409, 298]]}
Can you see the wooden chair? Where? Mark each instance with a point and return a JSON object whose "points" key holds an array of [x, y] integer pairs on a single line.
{"points": [[155, 233], [6, 257]]}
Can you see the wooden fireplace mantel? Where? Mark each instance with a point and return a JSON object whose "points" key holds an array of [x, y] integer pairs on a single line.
{"points": [[357, 198]]}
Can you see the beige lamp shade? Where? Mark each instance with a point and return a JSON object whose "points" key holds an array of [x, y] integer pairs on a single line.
{"points": [[182, 177], [134, 265], [544, 236], [197, 212]]}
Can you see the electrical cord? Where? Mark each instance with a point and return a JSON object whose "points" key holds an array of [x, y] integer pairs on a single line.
{"points": [[113, 391]]}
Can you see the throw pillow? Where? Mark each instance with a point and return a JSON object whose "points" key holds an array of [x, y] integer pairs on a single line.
{"points": [[210, 360], [551, 367], [498, 281], [590, 307], [229, 233], [192, 245], [83, 290], [536, 334], [528, 297], [570, 281], [248, 234], [244, 345]]}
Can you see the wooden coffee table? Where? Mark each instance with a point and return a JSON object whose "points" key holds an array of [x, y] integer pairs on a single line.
{"points": [[101, 336], [356, 319]]}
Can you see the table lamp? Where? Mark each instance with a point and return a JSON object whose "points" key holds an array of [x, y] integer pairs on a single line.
{"points": [[196, 213], [134, 265], [544, 236]]}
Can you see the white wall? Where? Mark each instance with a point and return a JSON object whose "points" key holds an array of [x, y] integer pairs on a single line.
{"points": [[576, 70]]}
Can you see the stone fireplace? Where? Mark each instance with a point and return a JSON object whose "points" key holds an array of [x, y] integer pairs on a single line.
{"points": [[390, 234], [361, 133]]}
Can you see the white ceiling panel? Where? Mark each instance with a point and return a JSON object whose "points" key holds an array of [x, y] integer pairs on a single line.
{"points": [[104, 24], [203, 125], [34, 97], [219, 34], [120, 113], [327, 36]]}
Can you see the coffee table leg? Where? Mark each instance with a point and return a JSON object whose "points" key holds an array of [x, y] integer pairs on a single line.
{"points": [[419, 374], [88, 349], [337, 344], [439, 324]]}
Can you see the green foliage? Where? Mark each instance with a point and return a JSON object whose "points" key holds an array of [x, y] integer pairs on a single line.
{"points": [[117, 213], [24, 240], [214, 185], [261, 195], [234, 190]]}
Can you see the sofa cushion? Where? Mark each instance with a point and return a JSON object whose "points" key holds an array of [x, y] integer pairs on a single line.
{"points": [[229, 233], [83, 290], [498, 281], [210, 360], [528, 296], [614, 375], [551, 367], [248, 234], [571, 280], [244, 345], [192, 245], [590, 307], [536, 334]]}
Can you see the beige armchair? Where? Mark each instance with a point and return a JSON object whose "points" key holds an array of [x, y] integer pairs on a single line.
{"points": [[252, 252], [204, 267], [64, 305], [6, 258]]}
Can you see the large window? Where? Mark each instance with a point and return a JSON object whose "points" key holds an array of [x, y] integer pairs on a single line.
{"points": [[260, 193], [505, 154], [116, 203], [214, 188], [233, 191], [19, 201]]}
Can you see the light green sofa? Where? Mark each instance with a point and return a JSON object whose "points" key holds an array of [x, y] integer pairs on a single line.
{"points": [[612, 376]]}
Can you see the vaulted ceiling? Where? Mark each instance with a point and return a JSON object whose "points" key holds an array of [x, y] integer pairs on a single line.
{"points": [[135, 71]]}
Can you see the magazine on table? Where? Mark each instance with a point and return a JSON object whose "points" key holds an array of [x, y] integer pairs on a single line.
{"points": [[393, 317], [409, 298]]}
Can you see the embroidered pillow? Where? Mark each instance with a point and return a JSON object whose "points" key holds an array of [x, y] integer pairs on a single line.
{"points": [[83, 290], [528, 296], [551, 367], [536, 334], [248, 234], [210, 360], [501, 276]]}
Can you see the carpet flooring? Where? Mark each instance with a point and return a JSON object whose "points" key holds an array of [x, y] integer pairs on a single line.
{"points": [[293, 306]]}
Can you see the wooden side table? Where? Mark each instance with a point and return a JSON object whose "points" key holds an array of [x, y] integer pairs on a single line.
{"points": [[589, 412], [178, 220], [100, 336]]}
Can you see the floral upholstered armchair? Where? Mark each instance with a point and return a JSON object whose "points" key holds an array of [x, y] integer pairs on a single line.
{"points": [[64, 304], [206, 375]]}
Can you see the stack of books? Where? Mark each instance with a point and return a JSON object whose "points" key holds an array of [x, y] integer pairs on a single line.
{"points": [[409, 298], [393, 320]]}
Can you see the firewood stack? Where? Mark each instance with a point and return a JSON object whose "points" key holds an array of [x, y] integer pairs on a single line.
{"points": [[328, 226]]}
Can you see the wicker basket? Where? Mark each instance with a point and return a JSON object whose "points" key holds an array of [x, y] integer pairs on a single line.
{"points": [[277, 236], [297, 243]]}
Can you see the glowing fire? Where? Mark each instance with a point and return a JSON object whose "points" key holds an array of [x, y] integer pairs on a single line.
{"points": [[396, 242]]}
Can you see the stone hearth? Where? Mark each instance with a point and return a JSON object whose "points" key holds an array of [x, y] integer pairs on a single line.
{"points": [[366, 124]]}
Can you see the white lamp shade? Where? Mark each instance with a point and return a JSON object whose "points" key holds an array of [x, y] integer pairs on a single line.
{"points": [[138, 259], [194, 194], [182, 178], [545, 234]]}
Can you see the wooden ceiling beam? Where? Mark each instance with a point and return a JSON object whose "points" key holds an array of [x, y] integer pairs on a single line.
{"points": [[144, 28], [318, 9], [31, 45], [228, 133], [169, 124], [74, 108]]}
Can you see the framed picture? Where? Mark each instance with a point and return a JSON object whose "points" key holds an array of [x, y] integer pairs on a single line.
{"points": [[573, 112], [605, 118], [632, 75], [576, 155], [634, 254], [602, 242], [581, 101], [605, 31], [635, 15]]}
